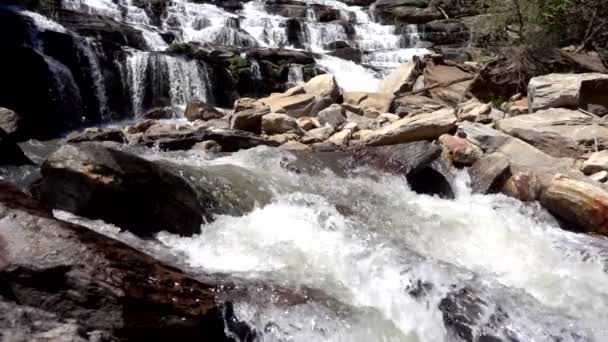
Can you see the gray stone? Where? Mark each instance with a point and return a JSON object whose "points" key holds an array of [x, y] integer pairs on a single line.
{"points": [[488, 173], [558, 90], [278, 124], [332, 115]]}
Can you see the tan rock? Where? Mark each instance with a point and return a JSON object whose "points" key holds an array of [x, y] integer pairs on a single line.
{"points": [[558, 90], [307, 123], [473, 110], [341, 138], [402, 78], [318, 134], [453, 94], [382, 102], [249, 120], [416, 104], [293, 145], [324, 86], [362, 134], [283, 138], [597, 162], [199, 110], [354, 97], [278, 124], [295, 106], [601, 176], [419, 127], [387, 117]]}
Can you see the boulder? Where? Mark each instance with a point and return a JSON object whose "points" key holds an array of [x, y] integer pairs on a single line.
{"points": [[582, 204], [593, 96], [364, 100], [98, 182], [597, 162], [363, 122], [517, 107], [9, 121], [489, 173], [307, 123], [199, 110], [295, 106], [420, 127], [341, 138], [281, 139], [209, 146], [98, 134], [513, 68], [558, 90], [160, 113], [10, 152], [473, 110], [459, 151], [172, 137], [442, 74], [318, 134], [64, 282], [409, 105], [278, 124], [294, 146], [517, 151], [249, 120], [332, 115], [387, 117], [323, 86], [558, 132], [402, 79]]}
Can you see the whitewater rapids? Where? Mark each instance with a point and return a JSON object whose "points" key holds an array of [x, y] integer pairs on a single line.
{"points": [[369, 242]]}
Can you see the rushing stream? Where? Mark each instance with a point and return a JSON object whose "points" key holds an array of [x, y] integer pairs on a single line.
{"points": [[388, 258]]}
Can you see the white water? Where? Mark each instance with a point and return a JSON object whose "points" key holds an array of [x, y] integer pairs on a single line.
{"points": [[88, 49], [187, 81], [548, 282], [134, 76], [350, 75], [295, 76]]}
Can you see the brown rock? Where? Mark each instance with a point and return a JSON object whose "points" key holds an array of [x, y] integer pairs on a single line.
{"points": [[278, 124], [323, 86], [249, 120], [199, 110], [295, 106], [489, 173], [459, 150], [579, 203], [307, 123], [436, 74], [294, 146]]}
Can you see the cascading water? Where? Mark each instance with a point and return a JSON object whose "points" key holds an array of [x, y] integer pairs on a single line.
{"points": [[88, 49], [134, 76], [295, 76], [386, 264], [157, 76]]}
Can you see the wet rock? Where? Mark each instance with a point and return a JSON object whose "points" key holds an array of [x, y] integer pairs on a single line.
{"points": [[402, 79], [558, 132], [332, 115], [558, 90], [160, 113], [579, 203], [9, 121], [98, 134], [419, 127], [94, 181], [140, 127], [278, 124], [10, 152], [82, 284], [409, 105], [199, 110], [249, 120], [460, 151], [597, 162], [525, 185], [489, 173], [342, 49], [170, 137], [208, 146]]}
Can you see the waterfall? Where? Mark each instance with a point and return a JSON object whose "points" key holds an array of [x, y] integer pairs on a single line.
{"points": [[255, 70], [91, 55], [187, 81], [349, 75], [134, 77], [157, 77], [65, 85], [295, 76], [412, 35]]}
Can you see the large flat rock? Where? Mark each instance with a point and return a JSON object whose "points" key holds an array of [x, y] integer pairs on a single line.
{"points": [[558, 90]]}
